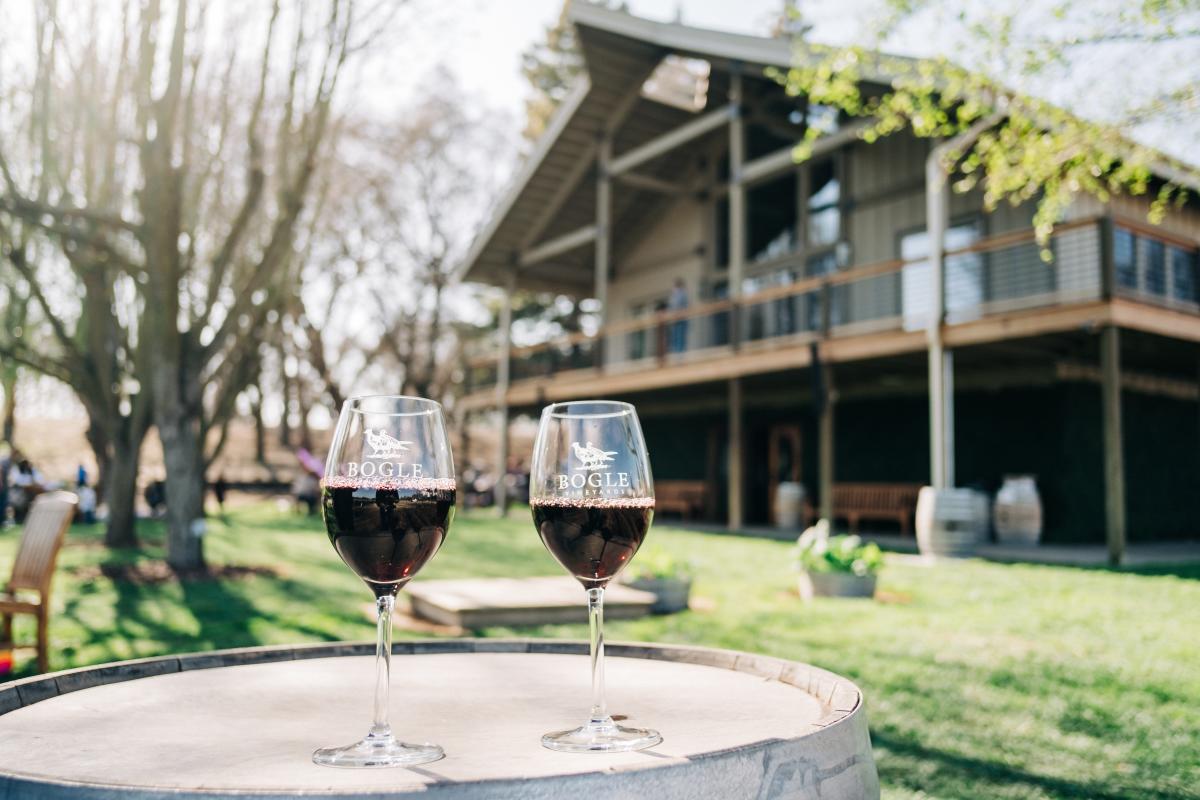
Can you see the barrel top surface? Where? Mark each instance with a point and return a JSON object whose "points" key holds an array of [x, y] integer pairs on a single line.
{"points": [[251, 728]]}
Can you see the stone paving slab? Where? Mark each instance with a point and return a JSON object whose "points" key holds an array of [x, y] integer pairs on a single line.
{"points": [[485, 602]]}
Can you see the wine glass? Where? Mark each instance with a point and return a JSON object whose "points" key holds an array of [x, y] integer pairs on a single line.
{"points": [[388, 499], [593, 498]]}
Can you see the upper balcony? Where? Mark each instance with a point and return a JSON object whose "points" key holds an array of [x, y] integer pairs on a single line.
{"points": [[1094, 271]]}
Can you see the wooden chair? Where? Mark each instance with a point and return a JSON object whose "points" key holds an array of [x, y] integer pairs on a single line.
{"points": [[28, 591]]}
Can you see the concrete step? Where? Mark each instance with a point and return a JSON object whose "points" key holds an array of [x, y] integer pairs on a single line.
{"points": [[486, 602]]}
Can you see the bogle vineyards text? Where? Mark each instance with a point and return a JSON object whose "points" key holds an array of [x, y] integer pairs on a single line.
{"points": [[591, 476], [398, 470]]}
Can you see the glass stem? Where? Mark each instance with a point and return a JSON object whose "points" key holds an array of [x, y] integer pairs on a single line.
{"points": [[596, 628], [380, 729]]}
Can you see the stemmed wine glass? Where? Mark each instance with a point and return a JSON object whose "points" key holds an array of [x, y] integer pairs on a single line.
{"points": [[388, 499], [593, 498]]}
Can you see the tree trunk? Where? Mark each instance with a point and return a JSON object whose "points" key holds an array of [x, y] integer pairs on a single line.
{"points": [[98, 440], [121, 495], [177, 400], [260, 427], [302, 406], [10, 406], [184, 460], [285, 424]]}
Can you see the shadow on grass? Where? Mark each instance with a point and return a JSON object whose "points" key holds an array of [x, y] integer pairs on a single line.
{"points": [[958, 771], [1184, 570]]}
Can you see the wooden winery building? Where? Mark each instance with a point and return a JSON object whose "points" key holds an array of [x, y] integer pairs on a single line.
{"points": [[776, 321]]}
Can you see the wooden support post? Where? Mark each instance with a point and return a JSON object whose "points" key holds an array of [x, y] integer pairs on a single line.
{"points": [[1108, 272], [941, 365], [735, 487], [1114, 460], [737, 205], [502, 382], [825, 466], [603, 235], [937, 205]]}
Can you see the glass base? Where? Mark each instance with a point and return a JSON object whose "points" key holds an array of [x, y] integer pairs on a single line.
{"points": [[378, 751], [601, 737]]}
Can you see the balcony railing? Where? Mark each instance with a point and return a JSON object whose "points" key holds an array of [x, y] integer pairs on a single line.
{"points": [[1002, 273]]}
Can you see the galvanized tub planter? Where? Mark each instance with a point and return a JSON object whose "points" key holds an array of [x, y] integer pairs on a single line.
{"points": [[243, 723], [835, 584], [671, 594]]}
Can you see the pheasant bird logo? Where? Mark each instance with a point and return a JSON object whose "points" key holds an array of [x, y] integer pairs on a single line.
{"points": [[592, 457], [383, 445]]}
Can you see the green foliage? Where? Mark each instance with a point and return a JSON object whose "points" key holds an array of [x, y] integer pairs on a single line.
{"points": [[551, 66], [982, 680], [816, 551], [1029, 150]]}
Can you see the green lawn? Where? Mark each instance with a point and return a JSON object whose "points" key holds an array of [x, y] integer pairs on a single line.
{"points": [[982, 680]]}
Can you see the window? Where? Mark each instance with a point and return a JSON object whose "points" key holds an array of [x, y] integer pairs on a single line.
{"points": [[641, 345], [1183, 274], [1150, 266], [773, 317], [824, 215], [822, 264], [679, 82], [771, 218], [1125, 258], [963, 277], [1156, 267]]}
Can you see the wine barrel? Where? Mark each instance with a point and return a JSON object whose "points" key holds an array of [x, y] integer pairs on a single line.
{"points": [[951, 522], [1017, 512], [789, 500], [245, 722]]}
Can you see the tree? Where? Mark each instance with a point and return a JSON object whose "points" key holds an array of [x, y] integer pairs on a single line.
{"points": [[16, 316], [162, 102], [1026, 148], [59, 201], [399, 211], [551, 66]]}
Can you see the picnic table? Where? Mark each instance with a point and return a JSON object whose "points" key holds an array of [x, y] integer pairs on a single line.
{"points": [[244, 723]]}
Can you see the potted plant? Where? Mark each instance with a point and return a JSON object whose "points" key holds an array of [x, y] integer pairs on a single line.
{"points": [[666, 577], [836, 566]]}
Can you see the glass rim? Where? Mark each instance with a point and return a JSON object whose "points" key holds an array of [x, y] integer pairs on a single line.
{"points": [[353, 404], [619, 408]]}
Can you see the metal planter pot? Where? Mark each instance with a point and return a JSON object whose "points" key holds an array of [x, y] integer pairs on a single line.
{"points": [[836, 584]]}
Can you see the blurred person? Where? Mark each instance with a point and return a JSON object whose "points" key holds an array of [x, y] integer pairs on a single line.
{"points": [[156, 497], [81, 476], [86, 509], [307, 489], [25, 482], [220, 488]]}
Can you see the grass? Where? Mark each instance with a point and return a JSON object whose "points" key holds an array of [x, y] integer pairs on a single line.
{"points": [[982, 680]]}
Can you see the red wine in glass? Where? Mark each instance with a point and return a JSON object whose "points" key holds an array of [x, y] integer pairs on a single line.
{"points": [[385, 532], [593, 541]]}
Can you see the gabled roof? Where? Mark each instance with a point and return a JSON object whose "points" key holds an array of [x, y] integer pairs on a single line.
{"points": [[553, 192]]}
